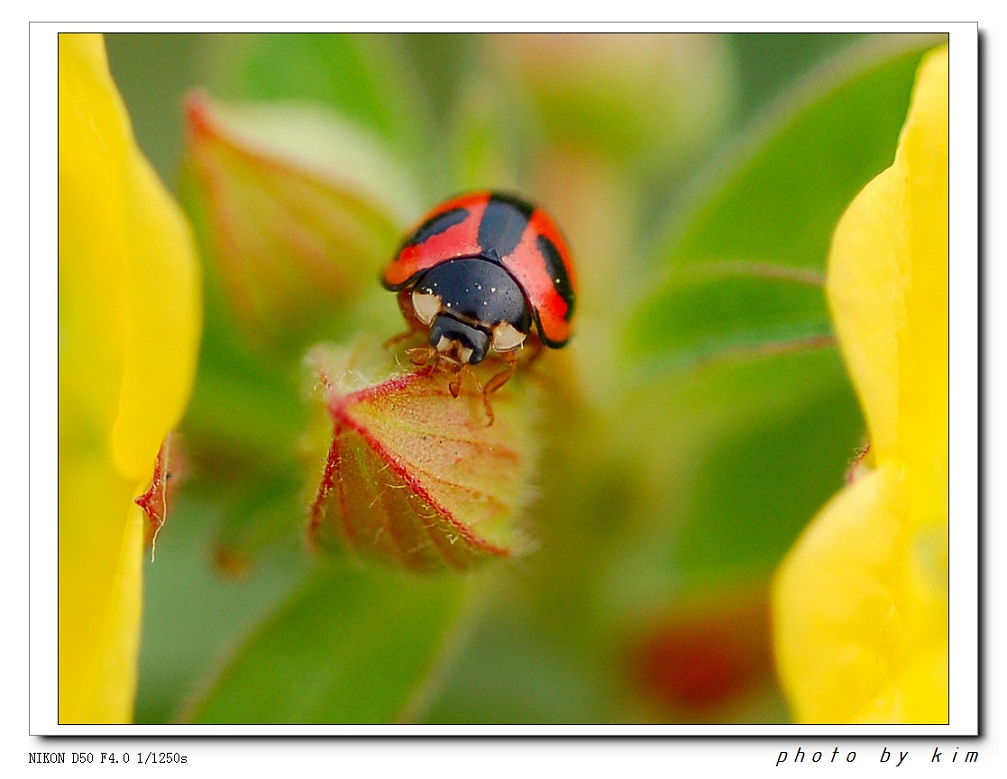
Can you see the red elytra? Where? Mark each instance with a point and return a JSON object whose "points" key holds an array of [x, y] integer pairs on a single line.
{"points": [[508, 231]]}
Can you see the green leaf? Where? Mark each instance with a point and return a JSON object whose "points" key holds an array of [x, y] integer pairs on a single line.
{"points": [[352, 646], [514, 669], [761, 56], [742, 268], [753, 448], [720, 309], [758, 487], [192, 615]]}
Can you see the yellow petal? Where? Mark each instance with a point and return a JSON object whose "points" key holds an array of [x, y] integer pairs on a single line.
{"points": [[861, 602], [864, 294], [90, 247], [860, 617], [888, 291], [100, 589], [161, 319], [917, 695], [129, 318], [922, 432]]}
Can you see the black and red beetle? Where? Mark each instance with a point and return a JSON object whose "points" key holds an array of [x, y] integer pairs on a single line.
{"points": [[477, 273]]}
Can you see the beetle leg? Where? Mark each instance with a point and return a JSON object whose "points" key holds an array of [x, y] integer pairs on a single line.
{"points": [[485, 393], [489, 410], [455, 387], [510, 358], [447, 365], [421, 355]]}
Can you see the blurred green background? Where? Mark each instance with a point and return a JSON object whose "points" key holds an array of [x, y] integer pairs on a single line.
{"points": [[698, 419]]}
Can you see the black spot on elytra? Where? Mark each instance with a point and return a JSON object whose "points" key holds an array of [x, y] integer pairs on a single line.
{"points": [[557, 273], [503, 223], [437, 224]]}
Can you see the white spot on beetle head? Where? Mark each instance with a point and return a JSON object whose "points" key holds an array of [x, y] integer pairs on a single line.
{"points": [[426, 305], [507, 338]]}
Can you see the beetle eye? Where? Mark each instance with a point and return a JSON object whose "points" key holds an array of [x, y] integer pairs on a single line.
{"points": [[427, 305], [507, 338]]}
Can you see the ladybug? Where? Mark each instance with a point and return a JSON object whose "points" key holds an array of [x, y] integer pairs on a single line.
{"points": [[477, 273]]}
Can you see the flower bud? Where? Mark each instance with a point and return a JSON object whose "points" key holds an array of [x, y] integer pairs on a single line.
{"points": [[298, 211], [636, 97], [414, 475]]}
